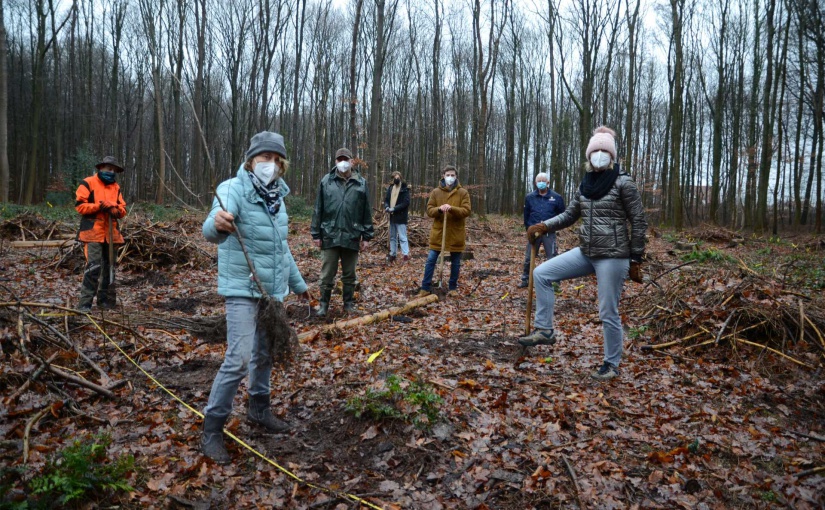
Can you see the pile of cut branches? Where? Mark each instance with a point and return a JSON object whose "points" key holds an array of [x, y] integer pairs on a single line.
{"points": [[149, 246], [733, 308], [418, 231], [33, 227]]}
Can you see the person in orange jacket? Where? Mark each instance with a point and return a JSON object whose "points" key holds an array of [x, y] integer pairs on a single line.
{"points": [[99, 200]]}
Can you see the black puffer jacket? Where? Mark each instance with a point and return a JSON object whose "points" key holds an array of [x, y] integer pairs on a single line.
{"points": [[604, 228]]}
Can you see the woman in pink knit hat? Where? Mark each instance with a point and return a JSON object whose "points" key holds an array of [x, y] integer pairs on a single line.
{"points": [[612, 241]]}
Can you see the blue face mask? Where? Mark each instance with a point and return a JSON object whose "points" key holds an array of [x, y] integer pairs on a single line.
{"points": [[106, 177], [541, 185]]}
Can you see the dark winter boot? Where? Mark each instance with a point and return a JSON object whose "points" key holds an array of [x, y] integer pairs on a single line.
{"points": [[260, 414], [323, 305], [212, 439], [349, 298]]}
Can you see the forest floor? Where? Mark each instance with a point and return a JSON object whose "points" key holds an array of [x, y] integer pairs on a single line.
{"points": [[731, 415]]}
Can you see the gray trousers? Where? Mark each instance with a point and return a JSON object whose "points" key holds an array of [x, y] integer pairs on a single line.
{"points": [[610, 276], [550, 251], [246, 353], [329, 267]]}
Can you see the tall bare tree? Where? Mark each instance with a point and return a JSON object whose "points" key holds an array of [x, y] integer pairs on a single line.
{"points": [[4, 113], [677, 11], [485, 57]]}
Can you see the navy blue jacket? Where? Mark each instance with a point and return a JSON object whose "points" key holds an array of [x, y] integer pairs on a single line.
{"points": [[538, 208]]}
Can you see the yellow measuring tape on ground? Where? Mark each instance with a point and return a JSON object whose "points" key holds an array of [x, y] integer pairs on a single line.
{"points": [[260, 455]]}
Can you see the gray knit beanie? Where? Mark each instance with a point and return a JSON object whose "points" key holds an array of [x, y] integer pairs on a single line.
{"points": [[266, 141]]}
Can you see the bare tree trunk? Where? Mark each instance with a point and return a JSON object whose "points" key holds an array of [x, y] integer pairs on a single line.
{"points": [[150, 13], [353, 83], [204, 172], [484, 70], [4, 113], [36, 108], [374, 149], [762, 220], [437, 107], [632, 43], [677, 15]]}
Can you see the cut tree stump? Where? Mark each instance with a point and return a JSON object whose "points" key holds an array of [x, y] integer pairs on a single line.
{"points": [[369, 319]]}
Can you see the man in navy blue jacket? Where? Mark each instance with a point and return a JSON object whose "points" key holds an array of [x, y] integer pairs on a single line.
{"points": [[541, 205]]}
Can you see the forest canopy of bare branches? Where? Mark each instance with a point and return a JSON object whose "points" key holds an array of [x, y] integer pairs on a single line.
{"points": [[718, 104]]}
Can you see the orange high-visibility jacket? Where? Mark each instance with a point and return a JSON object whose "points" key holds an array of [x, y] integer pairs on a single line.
{"points": [[94, 226]]}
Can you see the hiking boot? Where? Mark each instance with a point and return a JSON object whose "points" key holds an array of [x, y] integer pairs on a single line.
{"points": [[423, 293], [523, 285], [452, 294], [405, 258], [85, 308], [212, 439], [259, 413], [390, 259], [605, 372], [538, 337]]}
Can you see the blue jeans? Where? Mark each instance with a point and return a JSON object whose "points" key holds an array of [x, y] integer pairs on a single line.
{"points": [[550, 251], [246, 352], [429, 269], [610, 276], [398, 231]]}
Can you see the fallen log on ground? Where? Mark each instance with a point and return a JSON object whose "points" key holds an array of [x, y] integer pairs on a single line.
{"points": [[48, 243], [369, 319]]}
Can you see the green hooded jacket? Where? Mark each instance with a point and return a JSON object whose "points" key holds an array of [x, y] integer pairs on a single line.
{"points": [[342, 216]]}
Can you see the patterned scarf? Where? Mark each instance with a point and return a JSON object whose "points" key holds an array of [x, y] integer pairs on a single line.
{"points": [[271, 194]]}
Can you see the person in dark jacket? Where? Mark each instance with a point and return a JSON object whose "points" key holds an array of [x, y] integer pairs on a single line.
{"points": [[341, 227], [541, 205], [606, 201], [99, 200], [397, 205]]}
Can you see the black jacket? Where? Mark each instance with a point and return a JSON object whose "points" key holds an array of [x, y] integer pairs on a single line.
{"points": [[401, 213]]}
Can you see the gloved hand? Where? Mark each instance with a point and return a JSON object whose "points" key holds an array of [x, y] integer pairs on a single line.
{"points": [[391, 210], [636, 271], [536, 231], [386, 209], [105, 205]]}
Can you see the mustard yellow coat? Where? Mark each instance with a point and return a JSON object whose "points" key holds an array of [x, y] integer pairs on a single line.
{"points": [[459, 200]]}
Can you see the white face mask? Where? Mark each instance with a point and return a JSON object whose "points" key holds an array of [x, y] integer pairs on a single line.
{"points": [[449, 181], [265, 171], [343, 166], [599, 159]]}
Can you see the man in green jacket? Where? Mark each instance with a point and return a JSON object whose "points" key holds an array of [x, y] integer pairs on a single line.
{"points": [[341, 227]]}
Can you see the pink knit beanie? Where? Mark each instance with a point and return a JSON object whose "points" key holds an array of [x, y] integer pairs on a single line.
{"points": [[603, 139]]}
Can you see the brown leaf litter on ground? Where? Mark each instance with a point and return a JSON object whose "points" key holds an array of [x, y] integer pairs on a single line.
{"points": [[719, 403]]}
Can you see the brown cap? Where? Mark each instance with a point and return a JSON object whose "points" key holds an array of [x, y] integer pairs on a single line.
{"points": [[110, 160], [343, 152]]}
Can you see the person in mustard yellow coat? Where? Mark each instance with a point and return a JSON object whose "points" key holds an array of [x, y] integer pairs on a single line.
{"points": [[99, 201], [449, 200]]}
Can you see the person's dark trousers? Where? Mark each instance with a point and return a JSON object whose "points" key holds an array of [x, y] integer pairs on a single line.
{"points": [[96, 277], [329, 267], [429, 269], [549, 243]]}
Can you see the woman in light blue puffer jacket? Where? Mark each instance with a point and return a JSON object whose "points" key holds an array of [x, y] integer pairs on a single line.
{"points": [[254, 201]]}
